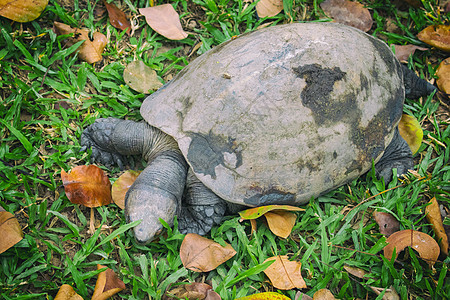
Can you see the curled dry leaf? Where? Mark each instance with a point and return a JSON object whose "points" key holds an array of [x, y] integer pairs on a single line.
{"points": [[443, 74], [265, 296], [323, 294], [140, 77], [22, 11], [357, 272], [200, 254], [349, 13], [121, 186], [281, 222], [285, 274], [402, 52], [388, 223], [107, 284], [269, 8], [89, 51], [424, 244], [117, 18], [66, 292], [256, 212], [164, 20], [437, 36], [411, 131], [389, 294], [433, 214], [11, 232], [87, 185]]}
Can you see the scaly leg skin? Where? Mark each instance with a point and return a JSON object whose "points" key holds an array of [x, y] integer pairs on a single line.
{"points": [[201, 210], [398, 156], [157, 191]]}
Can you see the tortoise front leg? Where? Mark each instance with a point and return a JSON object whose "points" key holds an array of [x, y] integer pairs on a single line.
{"points": [[201, 208]]}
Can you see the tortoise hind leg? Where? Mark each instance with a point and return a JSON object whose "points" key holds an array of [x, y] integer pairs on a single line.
{"points": [[201, 210], [398, 156]]}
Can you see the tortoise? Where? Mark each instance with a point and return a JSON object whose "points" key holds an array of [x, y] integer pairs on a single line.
{"points": [[275, 116]]}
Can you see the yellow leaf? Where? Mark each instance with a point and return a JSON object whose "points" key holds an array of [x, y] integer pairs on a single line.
{"points": [[433, 214], [443, 74], [285, 274], [107, 284], [437, 36], [410, 130], [22, 11], [256, 212], [281, 222], [121, 186], [66, 292], [265, 296]]}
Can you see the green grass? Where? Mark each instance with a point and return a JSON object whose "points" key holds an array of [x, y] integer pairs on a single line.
{"points": [[48, 96]]}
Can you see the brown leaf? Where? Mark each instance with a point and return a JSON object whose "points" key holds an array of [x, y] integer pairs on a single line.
{"points": [[424, 244], [285, 274], [443, 74], [22, 11], [323, 294], [200, 254], [195, 290], [349, 13], [281, 222], [269, 8], [140, 77], [117, 18], [388, 223], [89, 51], [66, 292], [107, 284], [410, 130], [437, 36], [433, 214], [121, 186], [357, 272], [402, 52], [11, 232], [211, 295], [390, 294], [164, 20], [87, 185]]}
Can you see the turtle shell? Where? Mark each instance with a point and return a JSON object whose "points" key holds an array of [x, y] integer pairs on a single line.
{"points": [[283, 113]]}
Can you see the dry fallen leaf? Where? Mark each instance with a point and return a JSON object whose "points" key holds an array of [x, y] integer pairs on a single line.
{"points": [[349, 13], [200, 254], [265, 296], [89, 51], [195, 290], [141, 77], [388, 223], [357, 272], [390, 294], [22, 11], [443, 74], [437, 36], [424, 244], [281, 222], [402, 52], [117, 18], [323, 294], [107, 284], [269, 8], [66, 292], [285, 274], [11, 232], [433, 214], [87, 185], [410, 130], [121, 186], [164, 20]]}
